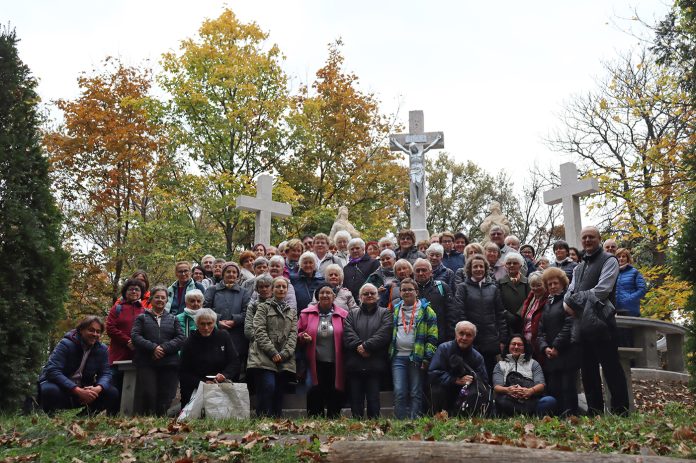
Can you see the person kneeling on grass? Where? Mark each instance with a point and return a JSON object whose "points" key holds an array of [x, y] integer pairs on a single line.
{"points": [[456, 364], [77, 372], [208, 355], [519, 382]]}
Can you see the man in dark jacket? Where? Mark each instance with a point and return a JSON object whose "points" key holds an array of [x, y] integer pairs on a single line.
{"points": [[594, 282], [454, 365], [439, 294], [77, 372], [367, 332], [359, 267]]}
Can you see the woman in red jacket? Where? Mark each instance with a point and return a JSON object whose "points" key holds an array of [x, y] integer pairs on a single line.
{"points": [[320, 329], [119, 324]]}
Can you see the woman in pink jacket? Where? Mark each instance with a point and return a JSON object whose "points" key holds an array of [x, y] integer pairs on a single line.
{"points": [[320, 329]]}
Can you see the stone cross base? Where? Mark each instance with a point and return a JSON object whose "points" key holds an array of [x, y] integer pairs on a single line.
{"points": [[421, 234]]}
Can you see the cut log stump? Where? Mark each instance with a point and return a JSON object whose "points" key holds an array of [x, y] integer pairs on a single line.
{"points": [[446, 452]]}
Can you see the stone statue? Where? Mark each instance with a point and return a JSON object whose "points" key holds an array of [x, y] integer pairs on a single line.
{"points": [[416, 154], [495, 217], [342, 223]]}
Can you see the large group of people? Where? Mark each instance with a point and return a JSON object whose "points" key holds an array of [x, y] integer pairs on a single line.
{"points": [[342, 320]]}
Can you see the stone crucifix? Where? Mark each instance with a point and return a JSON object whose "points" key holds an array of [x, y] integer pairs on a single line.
{"points": [[416, 143], [265, 208], [569, 194]]}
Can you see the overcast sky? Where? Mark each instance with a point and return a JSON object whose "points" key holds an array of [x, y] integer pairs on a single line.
{"points": [[492, 75]]}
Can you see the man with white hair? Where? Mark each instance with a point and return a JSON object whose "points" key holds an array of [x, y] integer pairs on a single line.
{"points": [[435, 252], [513, 242], [207, 263], [359, 267], [456, 364]]}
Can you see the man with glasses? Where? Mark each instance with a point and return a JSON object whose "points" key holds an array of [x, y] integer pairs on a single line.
{"points": [[438, 293], [177, 291], [367, 333]]}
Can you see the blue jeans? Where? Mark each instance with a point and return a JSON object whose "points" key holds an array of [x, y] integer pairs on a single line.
{"points": [[408, 388], [546, 406], [269, 393], [52, 397]]}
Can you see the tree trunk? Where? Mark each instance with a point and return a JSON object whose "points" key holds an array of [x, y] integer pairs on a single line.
{"points": [[457, 452]]}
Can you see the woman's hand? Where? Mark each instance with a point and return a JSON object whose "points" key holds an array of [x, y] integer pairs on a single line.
{"points": [[220, 378], [277, 358], [464, 380], [306, 337], [551, 352], [130, 344], [158, 353]]}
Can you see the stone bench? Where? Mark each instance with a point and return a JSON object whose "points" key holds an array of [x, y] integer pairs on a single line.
{"points": [[626, 355], [645, 335], [128, 390]]}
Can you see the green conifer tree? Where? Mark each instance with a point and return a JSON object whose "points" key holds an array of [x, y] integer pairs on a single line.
{"points": [[34, 276]]}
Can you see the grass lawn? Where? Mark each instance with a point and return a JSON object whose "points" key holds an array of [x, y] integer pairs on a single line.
{"points": [[670, 431]]}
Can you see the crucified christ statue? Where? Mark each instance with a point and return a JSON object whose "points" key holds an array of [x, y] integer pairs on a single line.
{"points": [[416, 155]]}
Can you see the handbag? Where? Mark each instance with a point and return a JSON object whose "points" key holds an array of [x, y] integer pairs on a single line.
{"points": [[217, 401], [517, 378]]}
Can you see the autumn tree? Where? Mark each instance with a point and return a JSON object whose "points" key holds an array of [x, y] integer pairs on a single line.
{"points": [[228, 97], [103, 159], [633, 133], [459, 194], [340, 155], [675, 46], [35, 276]]}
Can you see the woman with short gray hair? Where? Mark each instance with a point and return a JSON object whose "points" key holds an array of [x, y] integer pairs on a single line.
{"points": [[344, 298], [359, 267], [208, 355], [514, 289], [194, 302]]}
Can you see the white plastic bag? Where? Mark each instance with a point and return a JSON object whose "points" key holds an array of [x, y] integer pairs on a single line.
{"points": [[217, 401]]}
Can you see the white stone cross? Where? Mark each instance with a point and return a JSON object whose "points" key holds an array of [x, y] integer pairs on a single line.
{"points": [[416, 143], [265, 208], [569, 194]]}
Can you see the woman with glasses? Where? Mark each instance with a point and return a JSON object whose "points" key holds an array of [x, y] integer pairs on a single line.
{"points": [[119, 324], [366, 336], [413, 344], [184, 283]]}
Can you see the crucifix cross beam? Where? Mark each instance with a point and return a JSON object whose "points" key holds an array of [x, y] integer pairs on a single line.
{"points": [[569, 194], [416, 133], [265, 208]]}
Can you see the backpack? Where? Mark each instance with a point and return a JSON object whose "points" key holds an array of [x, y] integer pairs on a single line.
{"points": [[476, 398]]}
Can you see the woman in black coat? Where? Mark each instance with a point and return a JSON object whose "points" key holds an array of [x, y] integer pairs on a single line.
{"points": [[367, 333], [157, 337], [561, 353], [478, 300], [207, 353]]}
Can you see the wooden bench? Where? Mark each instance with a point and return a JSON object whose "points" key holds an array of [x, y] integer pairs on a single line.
{"points": [[645, 335]]}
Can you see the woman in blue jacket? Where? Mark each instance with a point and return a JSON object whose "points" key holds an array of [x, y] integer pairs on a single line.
{"points": [[630, 286]]}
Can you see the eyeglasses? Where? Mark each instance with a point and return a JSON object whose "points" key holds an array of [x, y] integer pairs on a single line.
{"points": [[407, 290], [421, 270], [369, 293], [134, 289], [183, 271]]}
